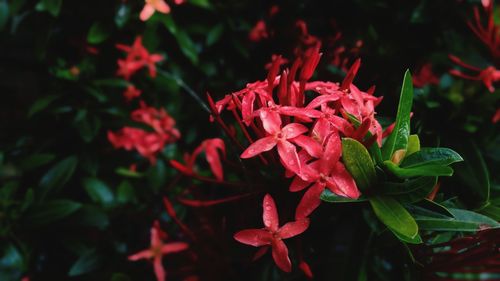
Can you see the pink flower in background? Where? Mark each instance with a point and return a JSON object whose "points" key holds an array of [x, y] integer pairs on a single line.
{"points": [[137, 58], [131, 93], [425, 76], [488, 76], [153, 6], [157, 250], [273, 235]]}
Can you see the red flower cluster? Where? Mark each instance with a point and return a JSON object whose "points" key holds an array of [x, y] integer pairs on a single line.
{"points": [[425, 76], [131, 93], [158, 249], [210, 147], [148, 144], [137, 58], [305, 122]]}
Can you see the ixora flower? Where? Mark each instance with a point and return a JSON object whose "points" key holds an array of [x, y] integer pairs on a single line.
{"points": [[157, 250], [273, 235], [137, 58], [152, 6], [131, 93], [211, 147], [488, 76], [148, 144]]}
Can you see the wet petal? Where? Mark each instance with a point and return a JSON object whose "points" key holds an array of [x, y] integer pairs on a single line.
{"points": [[310, 201], [293, 228], [271, 120], [261, 145], [308, 144], [270, 213], [345, 182], [174, 247], [288, 156], [280, 255], [254, 237], [293, 130]]}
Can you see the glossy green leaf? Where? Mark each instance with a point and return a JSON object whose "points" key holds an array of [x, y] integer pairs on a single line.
{"points": [[431, 156], [413, 145], [398, 140], [394, 216], [415, 240], [474, 175], [89, 261], [41, 104], [57, 176], [463, 221], [428, 170], [358, 162], [491, 211], [98, 191], [409, 191], [50, 211], [51, 6], [331, 197], [98, 33]]}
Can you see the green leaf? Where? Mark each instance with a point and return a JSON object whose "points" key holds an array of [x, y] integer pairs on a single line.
{"points": [[474, 175], [58, 175], [491, 211], [358, 162], [215, 34], [35, 160], [428, 170], [431, 156], [462, 220], [87, 262], [51, 6], [409, 191], [91, 216], [98, 191], [413, 145], [125, 193], [98, 33], [394, 216], [398, 140], [120, 277], [4, 13], [111, 82], [201, 3], [187, 46], [126, 172], [41, 104], [415, 240], [331, 197], [50, 211]]}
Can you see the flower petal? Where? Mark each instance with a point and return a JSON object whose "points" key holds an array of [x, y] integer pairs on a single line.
{"points": [[271, 120], [254, 237], [159, 270], [298, 184], [174, 247], [331, 155], [259, 146], [270, 213], [247, 104], [310, 201], [311, 146], [147, 12], [280, 255], [211, 146], [146, 254], [299, 112], [293, 228], [319, 100], [288, 156], [161, 6], [345, 182], [293, 130]]}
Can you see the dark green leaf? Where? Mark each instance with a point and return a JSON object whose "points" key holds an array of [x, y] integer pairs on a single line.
{"points": [[4, 13], [126, 172], [35, 160], [120, 277], [398, 140], [98, 191], [474, 174], [58, 175], [415, 240], [87, 262], [50, 211], [463, 221], [394, 216], [409, 191], [331, 197], [491, 211], [431, 156], [215, 34], [125, 193], [41, 104], [98, 33], [91, 216], [201, 3], [428, 170], [358, 162], [51, 6]]}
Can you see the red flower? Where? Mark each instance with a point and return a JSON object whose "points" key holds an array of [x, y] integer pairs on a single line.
{"points": [[210, 147], [131, 93], [425, 76], [496, 116], [258, 32], [157, 250], [137, 57], [272, 234], [488, 34], [488, 75]]}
